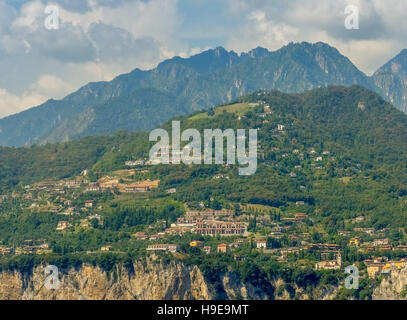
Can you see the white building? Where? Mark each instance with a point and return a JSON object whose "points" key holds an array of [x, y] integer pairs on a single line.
{"points": [[261, 244]]}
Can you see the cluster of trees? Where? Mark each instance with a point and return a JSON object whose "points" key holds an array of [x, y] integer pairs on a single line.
{"points": [[131, 214]]}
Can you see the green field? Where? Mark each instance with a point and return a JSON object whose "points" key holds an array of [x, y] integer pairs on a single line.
{"points": [[238, 109]]}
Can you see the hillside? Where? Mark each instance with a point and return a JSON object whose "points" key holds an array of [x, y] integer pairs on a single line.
{"points": [[348, 123], [141, 100], [331, 168], [391, 78]]}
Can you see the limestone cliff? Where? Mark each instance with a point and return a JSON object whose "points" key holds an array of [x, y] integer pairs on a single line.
{"points": [[155, 279], [391, 287], [150, 279]]}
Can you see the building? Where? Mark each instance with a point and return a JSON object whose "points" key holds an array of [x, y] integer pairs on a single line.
{"points": [[89, 203], [5, 250], [222, 228], [207, 249], [373, 269], [106, 248], [211, 213], [358, 219], [134, 163], [327, 265], [288, 220], [73, 184], [94, 186], [369, 231], [235, 244], [197, 244], [330, 264], [300, 216], [381, 265], [223, 248], [261, 244], [178, 230], [140, 235], [62, 225], [163, 247], [385, 247], [381, 242], [155, 237], [144, 186], [136, 187], [68, 203], [68, 212], [95, 216], [108, 184], [354, 241], [187, 221], [46, 184], [324, 247]]}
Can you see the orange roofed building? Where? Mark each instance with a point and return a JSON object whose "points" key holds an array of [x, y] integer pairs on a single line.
{"points": [[223, 248]]}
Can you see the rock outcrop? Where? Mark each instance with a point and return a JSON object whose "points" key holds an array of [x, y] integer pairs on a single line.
{"points": [[149, 280], [391, 288]]}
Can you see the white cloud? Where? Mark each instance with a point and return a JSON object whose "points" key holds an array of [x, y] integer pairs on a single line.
{"points": [[49, 85], [28, 19], [274, 23], [99, 39], [157, 19], [95, 42], [11, 103]]}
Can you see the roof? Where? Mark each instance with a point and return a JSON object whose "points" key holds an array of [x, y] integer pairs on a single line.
{"points": [[144, 184]]}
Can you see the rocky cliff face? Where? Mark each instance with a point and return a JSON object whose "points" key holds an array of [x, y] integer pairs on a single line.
{"points": [[392, 80], [143, 100], [149, 280], [391, 288], [157, 280], [152, 279]]}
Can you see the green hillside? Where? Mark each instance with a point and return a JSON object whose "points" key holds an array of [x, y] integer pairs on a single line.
{"points": [[333, 154]]}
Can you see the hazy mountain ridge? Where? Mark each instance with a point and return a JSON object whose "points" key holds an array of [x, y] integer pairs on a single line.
{"points": [[391, 78], [142, 100]]}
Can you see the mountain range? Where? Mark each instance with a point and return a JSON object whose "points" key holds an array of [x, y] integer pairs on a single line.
{"points": [[142, 100]]}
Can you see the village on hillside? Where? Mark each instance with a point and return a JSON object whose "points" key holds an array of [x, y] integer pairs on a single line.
{"points": [[282, 236]]}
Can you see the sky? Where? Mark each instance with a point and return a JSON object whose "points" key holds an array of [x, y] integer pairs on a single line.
{"points": [[100, 39]]}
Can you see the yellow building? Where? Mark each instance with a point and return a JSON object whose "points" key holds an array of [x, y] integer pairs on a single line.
{"points": [[354, 242], [395, 264], [198, 244], [374, 269]]}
